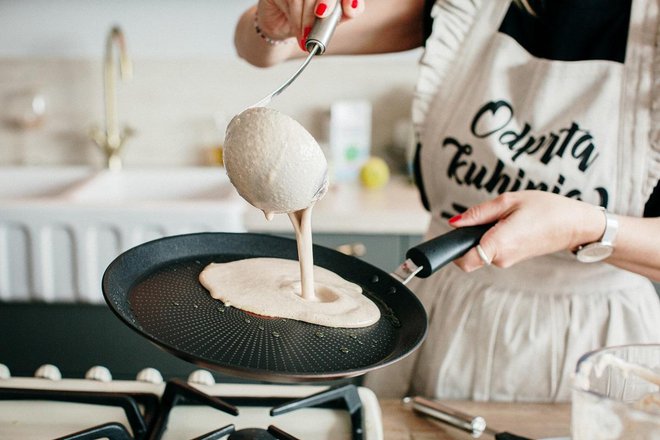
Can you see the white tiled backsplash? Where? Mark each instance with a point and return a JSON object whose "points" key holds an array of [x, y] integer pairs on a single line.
{"points": [[173, 105]]}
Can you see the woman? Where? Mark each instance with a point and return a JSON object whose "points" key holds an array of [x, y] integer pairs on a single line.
{"points": [[535, 116]]}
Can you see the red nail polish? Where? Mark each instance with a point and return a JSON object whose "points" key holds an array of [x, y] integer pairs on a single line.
{"points": [[306, 32], [301, 43], [354, 4], [321, 8], [455, 218]]}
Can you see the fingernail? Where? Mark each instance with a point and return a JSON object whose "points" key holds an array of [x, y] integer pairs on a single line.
{"points": [[321, 8], [455, 218], [354, 4], [303, 40]]}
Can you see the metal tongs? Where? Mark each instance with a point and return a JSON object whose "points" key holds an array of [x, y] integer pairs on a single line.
{"points": [[316, 44], [474, 425]]}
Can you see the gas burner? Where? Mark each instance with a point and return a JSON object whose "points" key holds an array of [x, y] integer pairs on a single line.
{"points": [[148, 413], [251, 434], [272, 433]]}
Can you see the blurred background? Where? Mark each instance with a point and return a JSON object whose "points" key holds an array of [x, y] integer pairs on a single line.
{"points": [[187, 82]]}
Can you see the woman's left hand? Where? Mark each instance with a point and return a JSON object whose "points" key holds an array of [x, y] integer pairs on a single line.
{"points": [[528, 224]]}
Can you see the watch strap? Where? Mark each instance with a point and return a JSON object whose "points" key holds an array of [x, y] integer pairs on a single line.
{"points": [[611, 229], [601, 249]]}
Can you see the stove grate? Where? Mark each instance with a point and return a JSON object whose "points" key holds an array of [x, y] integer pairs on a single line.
{"points": [[152, 423]]}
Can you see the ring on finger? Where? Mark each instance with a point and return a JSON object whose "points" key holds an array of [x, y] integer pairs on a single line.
{"points": [[487, 261]]}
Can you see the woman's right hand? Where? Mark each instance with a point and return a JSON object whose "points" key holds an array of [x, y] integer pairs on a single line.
{"points": [[282, 19], [282, 27]]}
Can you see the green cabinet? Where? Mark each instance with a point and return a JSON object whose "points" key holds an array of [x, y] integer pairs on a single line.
{"points": [[384, 251]]}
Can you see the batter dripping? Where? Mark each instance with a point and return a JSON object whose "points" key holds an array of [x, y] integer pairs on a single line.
{"points": [[276, 165]]}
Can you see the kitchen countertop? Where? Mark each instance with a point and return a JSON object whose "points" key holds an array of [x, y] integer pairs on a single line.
{"points": [[350, 208], [532, 420]]}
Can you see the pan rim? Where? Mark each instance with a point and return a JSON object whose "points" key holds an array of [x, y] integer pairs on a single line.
{"points": [[259, 374]]}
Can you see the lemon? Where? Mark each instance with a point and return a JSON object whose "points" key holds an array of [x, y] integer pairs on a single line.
{"points": [[374, 173], [215, 156]]}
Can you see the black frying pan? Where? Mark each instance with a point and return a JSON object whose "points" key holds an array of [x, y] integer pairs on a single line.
{"points": [[154, 289]]}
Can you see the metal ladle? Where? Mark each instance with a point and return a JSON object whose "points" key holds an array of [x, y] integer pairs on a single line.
{"points": [[316, 44]]}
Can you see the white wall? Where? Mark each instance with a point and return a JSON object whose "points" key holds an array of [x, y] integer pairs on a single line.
{"points": [[154, 28], [186, 75]]}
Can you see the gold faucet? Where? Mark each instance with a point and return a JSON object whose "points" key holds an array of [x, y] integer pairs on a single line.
{"points": [[111, 140]]}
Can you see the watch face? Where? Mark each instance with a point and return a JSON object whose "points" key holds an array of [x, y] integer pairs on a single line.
{"points": [[594, 252]]}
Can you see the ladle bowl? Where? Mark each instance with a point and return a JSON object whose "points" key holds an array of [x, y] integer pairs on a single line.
{"points": [[274, 163]]}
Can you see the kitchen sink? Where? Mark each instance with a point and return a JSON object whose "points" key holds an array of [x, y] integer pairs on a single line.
{"points": [[30, 182], [186, 185], [60, 227]]}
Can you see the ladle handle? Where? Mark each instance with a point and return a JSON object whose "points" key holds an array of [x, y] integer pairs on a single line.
{"points": [[435, 253], [323, 29]]}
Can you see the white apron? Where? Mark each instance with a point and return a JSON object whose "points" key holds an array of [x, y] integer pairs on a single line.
{"points": [[493, 118]]}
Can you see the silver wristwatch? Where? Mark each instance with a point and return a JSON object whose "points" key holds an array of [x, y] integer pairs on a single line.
{"points": [[599, 250]]}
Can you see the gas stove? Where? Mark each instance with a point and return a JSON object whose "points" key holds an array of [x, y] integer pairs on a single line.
{"points": [[49, 406]]}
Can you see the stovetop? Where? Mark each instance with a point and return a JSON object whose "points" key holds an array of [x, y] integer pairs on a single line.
{"points": [[48, 406]]}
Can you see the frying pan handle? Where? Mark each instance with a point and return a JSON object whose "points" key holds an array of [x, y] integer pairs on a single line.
{"points": [[435, 253]]}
